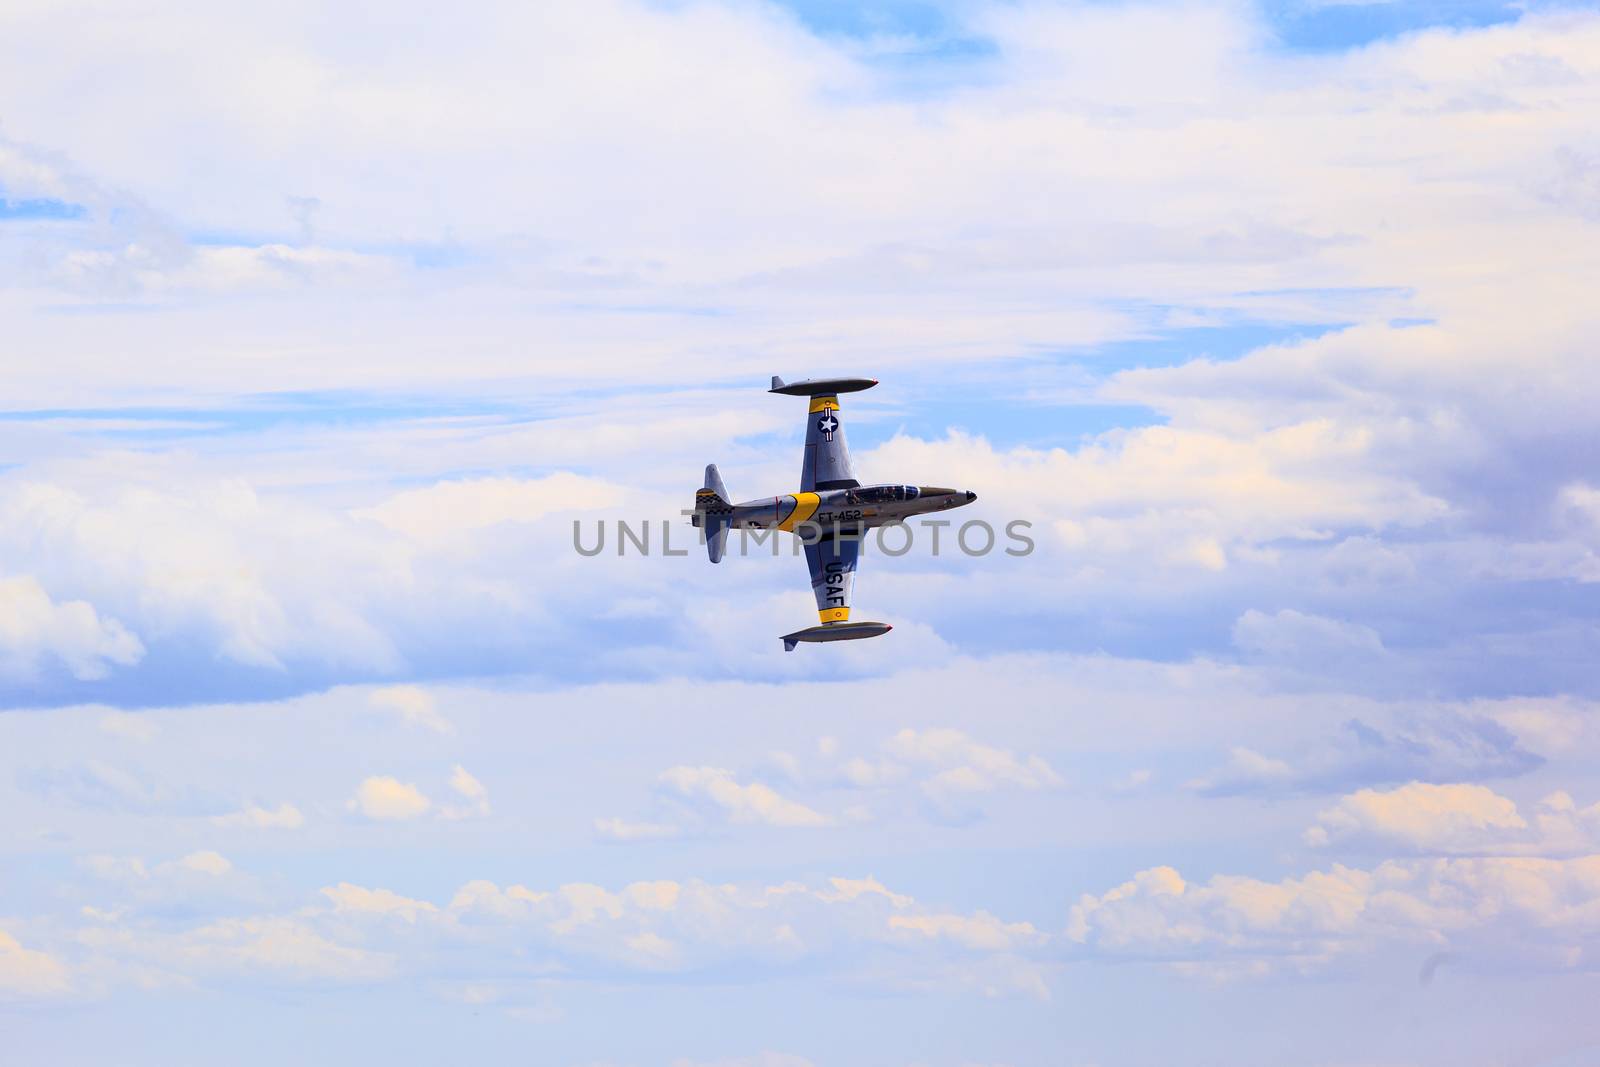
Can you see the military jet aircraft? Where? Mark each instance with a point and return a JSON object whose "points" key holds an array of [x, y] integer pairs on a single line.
{"points": [[830, 513]]}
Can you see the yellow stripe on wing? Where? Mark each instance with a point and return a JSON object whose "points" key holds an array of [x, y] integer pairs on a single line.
{"points": [[834, 614], [824, 403]]}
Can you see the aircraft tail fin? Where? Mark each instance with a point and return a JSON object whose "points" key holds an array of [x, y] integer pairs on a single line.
{"points": [[713, 513]]}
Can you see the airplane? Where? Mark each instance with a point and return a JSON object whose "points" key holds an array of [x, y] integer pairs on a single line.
{"points": [[830, 512]]}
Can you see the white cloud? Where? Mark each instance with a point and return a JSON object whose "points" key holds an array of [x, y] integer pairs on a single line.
{"points": [[107, 786], [278, 945], [1135, 780], [1446, 743], [623, 830], [354, 898], [472, 791], [284, 817], [207, 862], [965, 766], [33, 627], [1548, 725], [1422, 815], [867, 774], [1176, 498], [1534, 912], [29, 973], [131, 725], [212, 563], [1456, 819], [980, 931], [200, 883], [851, 888], [449, 509], [1245, 770], [752, 803], [412, 704], [1529, 911], [1296, 638], [382, 797], [690, 925], [211, 559]]}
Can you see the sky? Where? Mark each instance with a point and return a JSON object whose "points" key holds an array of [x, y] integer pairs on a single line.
{"points": [[325, 326]]}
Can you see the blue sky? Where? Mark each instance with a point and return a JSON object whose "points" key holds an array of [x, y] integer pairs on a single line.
{"points": [[318, 739]]}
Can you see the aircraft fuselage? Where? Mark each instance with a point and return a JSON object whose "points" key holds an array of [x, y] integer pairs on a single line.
{"points": [[848, 510]]}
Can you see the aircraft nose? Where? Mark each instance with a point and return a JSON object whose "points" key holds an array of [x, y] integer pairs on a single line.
{"points": [[971, 496]]}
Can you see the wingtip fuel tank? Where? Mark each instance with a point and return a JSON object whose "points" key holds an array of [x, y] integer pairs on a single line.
{"points": [[835, 631]]}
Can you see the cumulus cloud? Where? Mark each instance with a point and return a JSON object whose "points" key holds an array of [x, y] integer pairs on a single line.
{"points": [[207, 862], [1456, 819], [33, 628], [473, 792], [1441, 746], [740, 803], [1522, 910], [1245, 770], [412, 704], [97, 784], [965, 766], [1178, 498], [624, 830], [947, 766], [130, 725], [1550, 726], [1526, 911], [213, 561], [273, 947], [862, 773], [202, 883], [851, 888], [354, 898], [449, 509], [978, 931], [382, 797], [1134, 780], [284, 817], [29, 973], [1432, 817], [695, 926], [1296, 638]]}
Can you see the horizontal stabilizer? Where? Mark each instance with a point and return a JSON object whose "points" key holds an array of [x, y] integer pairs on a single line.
{"points": [[835, 631], [714, 482], [713, 513], [821, 386]]}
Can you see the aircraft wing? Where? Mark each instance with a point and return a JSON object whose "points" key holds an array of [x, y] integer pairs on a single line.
{"points": [[827, 461], [827, 458], [833, 574]]}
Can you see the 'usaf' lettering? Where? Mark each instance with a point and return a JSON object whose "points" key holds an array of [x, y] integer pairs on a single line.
{"points": [[833, 574]]}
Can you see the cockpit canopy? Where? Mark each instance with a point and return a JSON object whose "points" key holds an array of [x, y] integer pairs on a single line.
{"points": [[881, 494]]}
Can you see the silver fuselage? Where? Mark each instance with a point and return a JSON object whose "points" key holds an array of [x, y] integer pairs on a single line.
{"points": [[861, 508]]}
